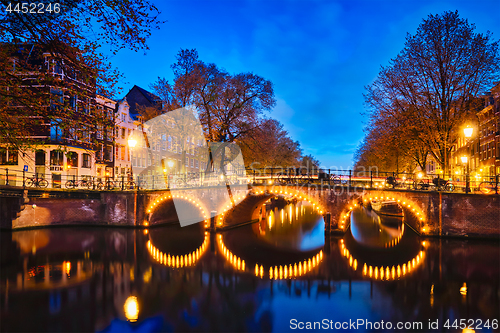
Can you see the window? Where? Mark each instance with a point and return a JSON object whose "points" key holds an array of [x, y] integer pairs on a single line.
{"points": [[40, 157], [58, 68], [73, 102], [109, 133], [99, 132], [3, 155], [72, 159], [55, 130], [12, 155], [86, 161], [56, 157], [123, 152], [108, 153], [57, 98], [123, 133], [117, 150]]}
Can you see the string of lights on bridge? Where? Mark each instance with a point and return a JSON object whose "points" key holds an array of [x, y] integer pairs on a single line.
{"points": [[381, 272], [294, 194], [189, 259], [406, 204], [196, 202]]}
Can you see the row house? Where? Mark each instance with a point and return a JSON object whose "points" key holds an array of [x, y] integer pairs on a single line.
{"points": [[72, 135], [180, 152], [483, 148], [83, 135]]}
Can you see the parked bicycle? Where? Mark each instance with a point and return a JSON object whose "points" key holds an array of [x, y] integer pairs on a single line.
{"points": [[76, 183], [337, 179], [437, 184], [488, 187], [109, 185], [397, 184], [36, 182], [443, 185]]}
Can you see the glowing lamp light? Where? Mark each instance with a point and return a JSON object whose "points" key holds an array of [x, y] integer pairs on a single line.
{"points": [[463, 289], [67, 267], [170, 164], [468, 131], [420, 175], [132, 143], [464, 159], [131, 309]]}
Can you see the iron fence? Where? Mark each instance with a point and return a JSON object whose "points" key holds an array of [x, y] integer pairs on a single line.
{"points": [[486, 184]]}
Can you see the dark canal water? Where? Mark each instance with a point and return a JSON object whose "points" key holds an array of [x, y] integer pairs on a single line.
{"points": [[275, 275]]}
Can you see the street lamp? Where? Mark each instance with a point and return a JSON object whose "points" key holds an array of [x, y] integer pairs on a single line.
{"points": [[132, 142], [467, 181], [166, 171], [468, 134]]}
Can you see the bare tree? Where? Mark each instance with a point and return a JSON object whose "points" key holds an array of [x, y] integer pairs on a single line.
{"points": [[433, 82], [269, 145]]}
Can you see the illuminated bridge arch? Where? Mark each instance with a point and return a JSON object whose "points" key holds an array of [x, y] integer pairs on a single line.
{"points": [[410, 208], [163, 210], [247, 206]]}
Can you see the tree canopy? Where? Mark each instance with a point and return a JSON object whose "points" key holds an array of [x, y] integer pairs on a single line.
{"points": [[74, 36], [421, 100], [230, 108], [229, 105]]}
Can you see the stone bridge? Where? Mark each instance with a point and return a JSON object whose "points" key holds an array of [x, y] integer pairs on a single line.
{"points": [[428, 213]]}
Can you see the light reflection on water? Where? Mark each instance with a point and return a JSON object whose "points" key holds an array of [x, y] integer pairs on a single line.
{"points": [[99, 279], [373, 230], [294, 226]]}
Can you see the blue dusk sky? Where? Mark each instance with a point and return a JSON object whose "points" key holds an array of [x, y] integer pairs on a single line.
{"points": [[318, 54]]}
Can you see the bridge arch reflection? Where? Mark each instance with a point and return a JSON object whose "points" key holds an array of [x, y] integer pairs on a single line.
{"points": [[276, 272], [379, 247], [176, 261]]}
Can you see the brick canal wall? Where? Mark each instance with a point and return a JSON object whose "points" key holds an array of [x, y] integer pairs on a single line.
{"points": [[446, 214], [38, 208]]}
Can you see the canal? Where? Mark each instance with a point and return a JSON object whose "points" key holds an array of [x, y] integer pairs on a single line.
{"points": [[279, 274]]}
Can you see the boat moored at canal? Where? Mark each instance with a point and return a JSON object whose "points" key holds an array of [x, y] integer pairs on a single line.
{"points": [[387, 207]]}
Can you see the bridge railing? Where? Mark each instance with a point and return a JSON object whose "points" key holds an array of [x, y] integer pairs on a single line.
{"points": [[20, 178], [486, 184]]}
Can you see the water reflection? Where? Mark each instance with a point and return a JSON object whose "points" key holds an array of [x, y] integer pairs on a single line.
{"points": [[373, 230], [380, 247], [115, 282], [294, 225]]}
